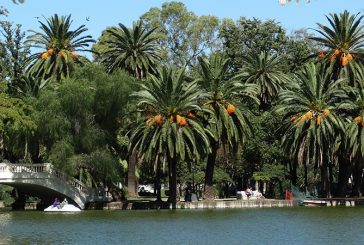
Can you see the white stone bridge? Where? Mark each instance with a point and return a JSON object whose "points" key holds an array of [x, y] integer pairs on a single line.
{"points": [[46, 182]]}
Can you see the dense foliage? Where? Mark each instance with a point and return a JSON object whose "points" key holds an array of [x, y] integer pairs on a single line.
{"points": [[218, 104]]}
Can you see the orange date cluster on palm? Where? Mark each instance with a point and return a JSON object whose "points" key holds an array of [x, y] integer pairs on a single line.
{"points": [[50, 52], [343, 56], [230, 109], [359, 121], [156, 121], [316, 117], [181, 121], [47, 53]]}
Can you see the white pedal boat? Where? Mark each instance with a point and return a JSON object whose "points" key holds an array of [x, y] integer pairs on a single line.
{"points": [[64, 208]]}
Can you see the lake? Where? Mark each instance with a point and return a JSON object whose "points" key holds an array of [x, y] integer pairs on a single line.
{"points": [[299, 225]]}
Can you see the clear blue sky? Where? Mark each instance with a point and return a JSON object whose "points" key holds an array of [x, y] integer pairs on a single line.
{"points": [[104, 13]]}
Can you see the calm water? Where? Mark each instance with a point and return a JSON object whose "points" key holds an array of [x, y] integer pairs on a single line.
{"points": [[238, 226]]}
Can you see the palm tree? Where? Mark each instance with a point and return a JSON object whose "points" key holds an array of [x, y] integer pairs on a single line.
{"points": [[354, 138], [170, 128], [137, 52], [229, 124], [310, 108], [264, 70], [134, 50], [343, 39], [59, 47]]}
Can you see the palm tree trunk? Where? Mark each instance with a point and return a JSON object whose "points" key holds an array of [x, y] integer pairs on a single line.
{"points": [[343, 175], [330, 180], [357, 177], [157, 185], [293, 172], [324, 181], [172, 178], [209, 174], [306, 178], [132, 182]]}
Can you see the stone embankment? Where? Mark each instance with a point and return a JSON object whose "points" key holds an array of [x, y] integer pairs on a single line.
{"points": [[217, 204]]}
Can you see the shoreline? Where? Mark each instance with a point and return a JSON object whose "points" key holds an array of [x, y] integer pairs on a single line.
{"points": [[216, 204], [229, 203]]}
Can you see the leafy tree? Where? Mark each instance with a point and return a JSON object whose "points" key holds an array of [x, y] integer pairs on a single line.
{"points": [[74, 135], [12, 53], [15, 122], [262, 148], [229, 124], [271, 174], [5, 195], [134, 50], [182, 35], [251, 35], [299, 50], [170, 129], [58, 46]]}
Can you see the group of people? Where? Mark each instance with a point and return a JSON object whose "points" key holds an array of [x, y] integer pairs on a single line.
{"points": [[59, 204]]}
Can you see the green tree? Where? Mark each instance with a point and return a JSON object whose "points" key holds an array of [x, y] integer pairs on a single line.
{"points": [[58, 47], [80, 121], [299, 50], [263, 151], [309, 107], [134, 50], [182, 34], [229, 124], [264, 70], [251, 35], [271, 174], [12, 53], [15, 125], [170, 129]]}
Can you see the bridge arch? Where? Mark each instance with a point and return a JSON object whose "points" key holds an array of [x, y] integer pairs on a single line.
{"points": [[45, 181]]}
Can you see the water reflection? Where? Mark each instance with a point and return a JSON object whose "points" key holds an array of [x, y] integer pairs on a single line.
{"points": [[4, 218], [244, 226]]}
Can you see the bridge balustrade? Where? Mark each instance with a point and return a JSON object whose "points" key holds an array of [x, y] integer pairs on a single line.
{"points": [[44, 168], [25, 172]]}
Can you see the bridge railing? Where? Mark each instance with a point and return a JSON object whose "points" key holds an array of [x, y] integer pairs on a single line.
{"points": [[70, 180], [43, 168]]}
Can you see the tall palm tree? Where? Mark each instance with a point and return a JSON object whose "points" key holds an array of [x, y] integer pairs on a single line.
{"points": [[354, 137], [229, 124], [264, 70], [170, 128], [310, 108], [343, 39], [137, 52], [58, 47], [134, 50]]}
